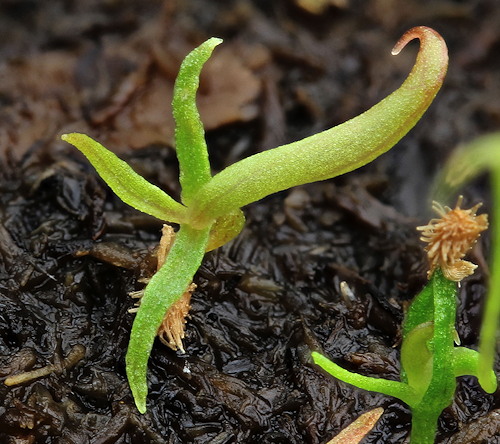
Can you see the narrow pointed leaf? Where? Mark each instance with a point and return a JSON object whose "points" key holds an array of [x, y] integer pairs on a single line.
{"points": [[133, 189], [165, 288], [189, 133], [335, 151], [391, 388]]}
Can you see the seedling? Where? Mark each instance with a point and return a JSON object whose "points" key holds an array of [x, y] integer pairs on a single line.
{"points": [[482, 154], [210, 213], [430, 361]]}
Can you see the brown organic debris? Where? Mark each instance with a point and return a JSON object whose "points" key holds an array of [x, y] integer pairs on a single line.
{"points": [[450, 237], [76, 354], [355, 432]]}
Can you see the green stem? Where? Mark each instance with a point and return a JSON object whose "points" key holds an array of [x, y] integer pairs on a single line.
{"points": [[424, 423], [441, 389], [466, 163]]}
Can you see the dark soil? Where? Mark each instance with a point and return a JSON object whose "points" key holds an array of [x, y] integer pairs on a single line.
{"points": [[70, 251]]}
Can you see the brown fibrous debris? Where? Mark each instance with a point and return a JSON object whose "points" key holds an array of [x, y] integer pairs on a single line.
{"points": [[172, 329], [450, 237]]}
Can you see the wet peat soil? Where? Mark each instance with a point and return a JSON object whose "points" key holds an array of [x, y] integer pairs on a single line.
{"points": [[70, 251]]}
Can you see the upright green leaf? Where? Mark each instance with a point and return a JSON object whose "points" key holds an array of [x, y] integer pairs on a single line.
{"points": [[491, 315], [133, 189], [189, 133], [165, 288], [335, 151]]}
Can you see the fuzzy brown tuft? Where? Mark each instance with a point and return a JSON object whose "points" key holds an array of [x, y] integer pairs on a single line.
{"points": [[450, 237]]}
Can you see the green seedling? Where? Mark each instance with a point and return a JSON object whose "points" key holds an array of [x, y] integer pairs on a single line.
{"points": [[209, 214], [430, 362], [482, 154]]}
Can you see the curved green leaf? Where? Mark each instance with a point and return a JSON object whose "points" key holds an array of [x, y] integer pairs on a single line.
{"points": [[416, 358], [225, 228], [397, 389], [165, 288], [335, 151], [466, 362], [133, 189], [189, 133]]}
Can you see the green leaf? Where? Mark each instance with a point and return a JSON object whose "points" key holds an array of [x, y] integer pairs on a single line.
{"points": [[467, 162], [225, 228], [416, 358], [335, 151], [189, 133], [133, 189], [491, 314], [421, 310], [466, 362], [390, 388], [164, 289]]}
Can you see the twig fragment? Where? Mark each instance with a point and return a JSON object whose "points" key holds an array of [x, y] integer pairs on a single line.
{"points": [[76, 354]]}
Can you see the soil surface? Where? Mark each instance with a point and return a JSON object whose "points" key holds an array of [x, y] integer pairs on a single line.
{"points": [[71, 251]]}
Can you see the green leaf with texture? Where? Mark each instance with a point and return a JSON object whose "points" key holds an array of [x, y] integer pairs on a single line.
{"points": [[129, 186], [164, 289]]}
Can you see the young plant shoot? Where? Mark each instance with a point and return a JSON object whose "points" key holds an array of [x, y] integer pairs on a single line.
{"points": [[430, 361], [210, 215], [469, 161]]}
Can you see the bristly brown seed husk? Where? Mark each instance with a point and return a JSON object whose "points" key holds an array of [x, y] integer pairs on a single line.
{"points": [[450, 237]]}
